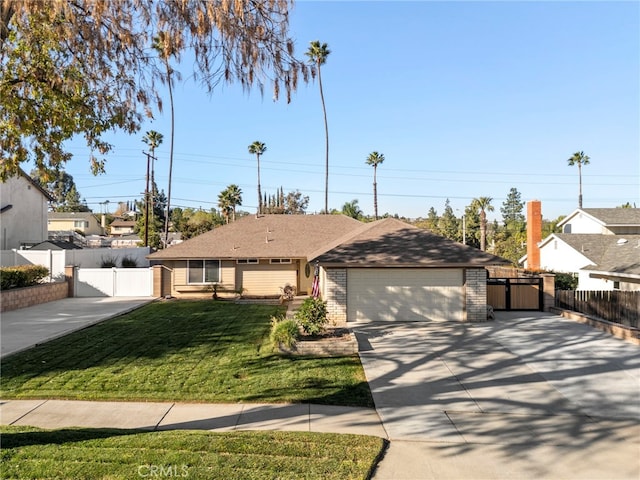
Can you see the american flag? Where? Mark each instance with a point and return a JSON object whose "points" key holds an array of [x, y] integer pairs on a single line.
{"points": [[315, 287]]}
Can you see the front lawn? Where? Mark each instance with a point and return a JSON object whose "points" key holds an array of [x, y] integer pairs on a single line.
{"points": [[200, 351], [124, 454]]}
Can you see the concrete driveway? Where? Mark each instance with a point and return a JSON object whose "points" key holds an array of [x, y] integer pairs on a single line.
{"points": [[528, 396], [27, 327]]}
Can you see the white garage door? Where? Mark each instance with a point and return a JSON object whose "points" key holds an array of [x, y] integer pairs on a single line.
{"points": [[405, 294]]}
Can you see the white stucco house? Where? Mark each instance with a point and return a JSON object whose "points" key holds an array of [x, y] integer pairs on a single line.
{"points": [[601, 246], [23, 212]]}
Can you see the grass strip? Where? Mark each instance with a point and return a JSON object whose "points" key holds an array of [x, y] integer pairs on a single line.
{"points": [[28, 452]]}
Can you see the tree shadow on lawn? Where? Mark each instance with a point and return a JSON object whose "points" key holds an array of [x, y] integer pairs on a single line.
{"points": [[16, 437]]}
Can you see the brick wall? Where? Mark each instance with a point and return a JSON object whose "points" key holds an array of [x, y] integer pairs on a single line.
{"points": [[26, 297], [336, 295], [476, 294]]}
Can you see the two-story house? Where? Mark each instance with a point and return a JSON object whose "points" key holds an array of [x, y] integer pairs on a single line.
{"points": [[23, 212], [601, 246], [84, 222]]}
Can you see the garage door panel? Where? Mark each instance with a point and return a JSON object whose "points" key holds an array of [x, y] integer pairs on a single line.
{"points": [[404, 295]]}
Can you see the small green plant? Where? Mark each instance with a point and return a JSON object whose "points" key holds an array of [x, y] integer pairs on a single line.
{"points": [[22, 276], [566, 281], [129, 262], [312, 316], [284, 332], [108, 262]]}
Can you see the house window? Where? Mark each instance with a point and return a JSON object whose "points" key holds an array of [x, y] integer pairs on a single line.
{"points": [[616, 285], [252, 261], [80, 224], [280, 260], [203, 271]]}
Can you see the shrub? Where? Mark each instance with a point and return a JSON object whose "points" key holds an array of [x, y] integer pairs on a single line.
{"points": [[129, 262], [566, 281], [108, 262], [312, 316], [284, 331], [21, 276]]}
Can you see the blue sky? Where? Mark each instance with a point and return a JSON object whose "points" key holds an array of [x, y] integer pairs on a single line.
{"points": [[464, 99]]}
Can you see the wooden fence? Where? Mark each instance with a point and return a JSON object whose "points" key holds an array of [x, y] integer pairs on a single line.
{"points": [[616, 306]]}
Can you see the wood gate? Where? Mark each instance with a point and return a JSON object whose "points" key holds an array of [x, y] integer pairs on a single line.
{"points": [[515, 293]]}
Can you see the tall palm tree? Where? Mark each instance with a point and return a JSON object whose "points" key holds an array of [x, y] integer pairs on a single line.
{"points": [[166, 49], [374, 159], [154, 140], [483, 205], [258, 148], [318, 54], [579, 158]]}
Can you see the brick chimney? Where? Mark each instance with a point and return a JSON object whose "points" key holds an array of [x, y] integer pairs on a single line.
{"points": [[534, 233]]}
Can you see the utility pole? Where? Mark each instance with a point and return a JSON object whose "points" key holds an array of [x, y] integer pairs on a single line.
{"points": [[150, 158]]}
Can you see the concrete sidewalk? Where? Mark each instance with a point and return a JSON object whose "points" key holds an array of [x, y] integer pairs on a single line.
{"points": [[52, 414], [27, 327]]}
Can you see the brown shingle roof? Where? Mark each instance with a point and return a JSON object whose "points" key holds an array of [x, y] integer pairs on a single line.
{"points": [[390, 242], [266, 236]]}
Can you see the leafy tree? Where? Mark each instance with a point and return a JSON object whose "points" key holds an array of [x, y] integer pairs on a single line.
{"points": [[431, 223], [512, 209], [448, 223], [579, 159], [352, 209], [295, 203], [318, 53], [191, 223], [472, 224], [374, 159], [482, 205], [63, 189], [258, 148], [155, 218], [88, 66]]}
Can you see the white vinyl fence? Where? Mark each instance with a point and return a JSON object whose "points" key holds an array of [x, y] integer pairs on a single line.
{"points": [[113, 282], [56, 260]]}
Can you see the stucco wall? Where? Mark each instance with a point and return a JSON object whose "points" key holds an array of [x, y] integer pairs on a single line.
{"points": [[26, 220]]}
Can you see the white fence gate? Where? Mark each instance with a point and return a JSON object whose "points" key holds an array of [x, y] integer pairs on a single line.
{"points": [[113, 282]]}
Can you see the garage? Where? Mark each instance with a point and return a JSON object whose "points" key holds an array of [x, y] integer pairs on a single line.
{"points": [[405, 294]]}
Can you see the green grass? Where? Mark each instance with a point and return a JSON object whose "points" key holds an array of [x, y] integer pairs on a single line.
{"points": [[28, 452], [200, 351]]}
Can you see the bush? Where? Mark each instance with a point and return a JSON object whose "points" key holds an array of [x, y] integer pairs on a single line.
{"points": [[129, 262], [566, 281], [312, 316], [108, 262], [21, 276], [283, 332]]}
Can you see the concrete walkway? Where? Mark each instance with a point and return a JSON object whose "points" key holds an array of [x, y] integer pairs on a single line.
{"points": [[27, 327], [53, 414]]}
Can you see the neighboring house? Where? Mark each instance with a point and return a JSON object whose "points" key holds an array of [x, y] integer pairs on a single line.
{"points": [[85, 222], [122, 227], [601, 246], [126, 241], [56, 245], [23, 212], [384, 270]]}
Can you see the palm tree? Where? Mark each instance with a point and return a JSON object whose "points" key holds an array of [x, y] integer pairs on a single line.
{"points": [[375, 159], [162, 44], [154, 140], [318, 54], [352, 209], [483, 205], [224, 202], [258, 148], [234, 195], [579, 158]]}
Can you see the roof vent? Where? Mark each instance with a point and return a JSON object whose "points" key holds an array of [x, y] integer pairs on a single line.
{"points": [[622, 241]]}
